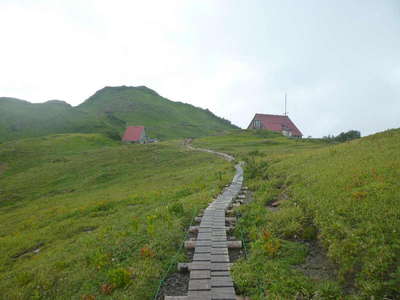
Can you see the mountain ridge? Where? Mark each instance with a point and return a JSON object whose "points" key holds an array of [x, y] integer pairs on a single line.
{"points": [[109, 110]]}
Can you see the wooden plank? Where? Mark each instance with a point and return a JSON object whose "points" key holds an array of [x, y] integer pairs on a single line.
{"points": [[218, 226], [204, 236], [220, 274], [199, 295], [196, 244], [204, 233], [203, 243], [202, 257], [223, 293], [200, 274], [219, 244], [202, 250], [219, 235], [220, 266], [199, 285], [207, 221], [219, 230], [206, 225], [219, 220], [222, 281], [201, 265], [219, 250], [219, 239], [220, 258]]}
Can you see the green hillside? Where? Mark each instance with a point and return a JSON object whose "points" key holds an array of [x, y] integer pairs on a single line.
{"points": [[109, 111], [162, 118], [335, 233], [20, 119], [84, 217]]}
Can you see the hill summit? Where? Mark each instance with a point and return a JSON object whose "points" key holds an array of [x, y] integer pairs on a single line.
{"points": [[109, 111]]}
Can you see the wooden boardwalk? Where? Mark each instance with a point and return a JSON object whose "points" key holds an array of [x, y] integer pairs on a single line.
{"points": [[210, 270]]}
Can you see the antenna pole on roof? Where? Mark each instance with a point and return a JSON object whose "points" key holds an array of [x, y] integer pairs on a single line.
{"points": [[285, 104]]}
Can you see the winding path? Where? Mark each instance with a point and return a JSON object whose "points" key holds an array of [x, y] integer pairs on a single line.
{"points": [[223, 155], [210, 270]]}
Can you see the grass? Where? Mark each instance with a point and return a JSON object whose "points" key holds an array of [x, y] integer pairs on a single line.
{"points": [[244, 144], [344, 197], [84, 217]]}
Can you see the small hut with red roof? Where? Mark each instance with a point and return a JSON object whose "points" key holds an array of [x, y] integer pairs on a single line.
{"points": [[275, 123], [135, 134]]}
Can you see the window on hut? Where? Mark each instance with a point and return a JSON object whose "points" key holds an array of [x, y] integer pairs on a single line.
{"points": [[257, 124]]}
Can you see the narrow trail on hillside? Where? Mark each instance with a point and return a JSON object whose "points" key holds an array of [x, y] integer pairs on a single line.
{"points": [[223, 155], [210, 268]]}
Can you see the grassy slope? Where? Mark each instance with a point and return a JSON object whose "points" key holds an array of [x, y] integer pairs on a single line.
{"points": [[162, 118], [107, 218], [19, 119], [109, 110], [345, 196], [243, 143]]}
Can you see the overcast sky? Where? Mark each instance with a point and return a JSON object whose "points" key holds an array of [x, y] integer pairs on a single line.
{"points": [[338, 60]]}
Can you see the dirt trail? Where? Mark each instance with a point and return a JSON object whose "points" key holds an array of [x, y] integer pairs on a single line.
{"points": [[223, 155]]}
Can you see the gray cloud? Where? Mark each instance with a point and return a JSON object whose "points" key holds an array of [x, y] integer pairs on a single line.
{"points": [[339, 61]]}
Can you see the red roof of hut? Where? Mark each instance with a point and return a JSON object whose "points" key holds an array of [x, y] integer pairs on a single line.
{"points": [[277, 123], [133, 133]]}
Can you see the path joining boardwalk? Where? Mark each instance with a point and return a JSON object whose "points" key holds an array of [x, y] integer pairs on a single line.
{"points": [[210, 270], [223, 155]]}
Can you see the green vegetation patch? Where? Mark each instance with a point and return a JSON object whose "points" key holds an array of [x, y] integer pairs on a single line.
{"points": [[84, 217], [344, 198]]}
